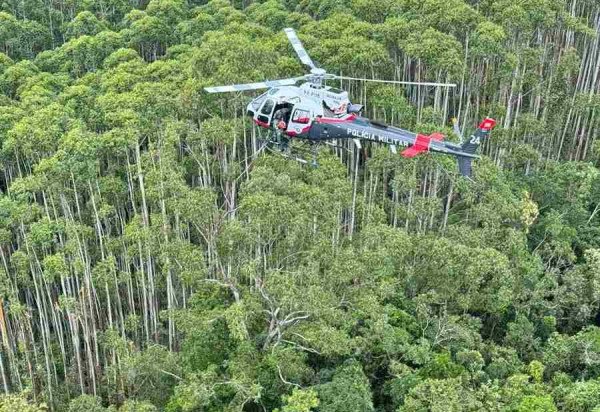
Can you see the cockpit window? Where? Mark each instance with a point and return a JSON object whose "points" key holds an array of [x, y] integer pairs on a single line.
{"points": [[267, 107], [273, 91]]}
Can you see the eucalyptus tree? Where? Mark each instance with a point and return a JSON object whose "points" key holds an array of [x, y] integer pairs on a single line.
{"points": [[153, 257]]}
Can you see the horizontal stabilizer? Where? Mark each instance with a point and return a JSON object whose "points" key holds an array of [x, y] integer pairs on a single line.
{"points": [[411, 152], [421, 144]]}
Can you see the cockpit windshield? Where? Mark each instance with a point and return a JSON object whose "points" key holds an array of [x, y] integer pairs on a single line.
{"points": [[268, 107], [258, 101]]}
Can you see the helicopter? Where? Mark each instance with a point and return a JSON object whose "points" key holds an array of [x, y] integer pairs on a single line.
{"points": [[317, 113]]}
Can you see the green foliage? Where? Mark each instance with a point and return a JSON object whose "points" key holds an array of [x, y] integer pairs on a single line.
{"points": [[537, 403], [301, 401], [135, 406], [19, 403], [582, 396], [86, 403], [85, 23], [348, 389], [439, 395]]}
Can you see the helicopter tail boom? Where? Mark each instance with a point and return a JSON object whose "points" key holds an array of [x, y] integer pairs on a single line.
{"points": [[412, 143]]}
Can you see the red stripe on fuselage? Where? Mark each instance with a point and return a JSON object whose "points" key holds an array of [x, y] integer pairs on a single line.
{"points": [[293, 133], [261, 124], [421, 144], [335, 119]]}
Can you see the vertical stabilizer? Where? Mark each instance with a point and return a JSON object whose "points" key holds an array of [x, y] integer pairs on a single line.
{"points": [[471, 145]]}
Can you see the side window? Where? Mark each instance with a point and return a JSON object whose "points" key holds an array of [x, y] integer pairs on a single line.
{"points": [[301, 116]]}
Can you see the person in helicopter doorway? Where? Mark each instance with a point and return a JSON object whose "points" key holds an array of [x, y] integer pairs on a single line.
{"points": [[280, 121]]}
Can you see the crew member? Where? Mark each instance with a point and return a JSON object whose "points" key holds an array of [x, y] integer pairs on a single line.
{"points": [[280, 121]]}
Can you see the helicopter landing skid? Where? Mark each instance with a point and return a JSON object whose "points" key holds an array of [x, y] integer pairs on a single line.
{"points": [[289, 151]]}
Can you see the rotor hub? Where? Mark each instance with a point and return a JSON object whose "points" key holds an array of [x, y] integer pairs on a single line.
{"points": [[316, 77]]}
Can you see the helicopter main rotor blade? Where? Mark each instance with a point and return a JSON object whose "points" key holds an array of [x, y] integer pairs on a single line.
{"points": [[253, 86], [299, 48], [395, 81]]}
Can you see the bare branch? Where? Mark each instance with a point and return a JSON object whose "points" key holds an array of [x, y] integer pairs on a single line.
{"points": [[304, 348], [285, 381], [179, 378]]}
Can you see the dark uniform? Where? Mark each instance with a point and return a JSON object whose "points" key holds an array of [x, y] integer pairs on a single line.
{"points": [[280, 121]]}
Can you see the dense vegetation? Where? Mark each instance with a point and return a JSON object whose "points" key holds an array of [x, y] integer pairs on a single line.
{"points": [[152, 259]]}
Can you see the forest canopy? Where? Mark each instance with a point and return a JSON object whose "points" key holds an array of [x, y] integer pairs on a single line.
{"points": [[154, 258]]}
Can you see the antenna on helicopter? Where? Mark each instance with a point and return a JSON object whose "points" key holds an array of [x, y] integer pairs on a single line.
{"points": [[316, 76]]}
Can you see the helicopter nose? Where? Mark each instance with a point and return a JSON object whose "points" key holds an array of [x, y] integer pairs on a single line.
{"points": [[250, 110]]}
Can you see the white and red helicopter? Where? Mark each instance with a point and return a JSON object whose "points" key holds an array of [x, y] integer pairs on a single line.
{"points": [[316, 112]]}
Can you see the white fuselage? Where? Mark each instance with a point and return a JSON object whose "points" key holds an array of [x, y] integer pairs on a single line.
{"points": [[315, 100], [336, 100]]}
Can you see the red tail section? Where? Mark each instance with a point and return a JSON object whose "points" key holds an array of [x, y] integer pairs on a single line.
{"points": [[421, 144]]}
